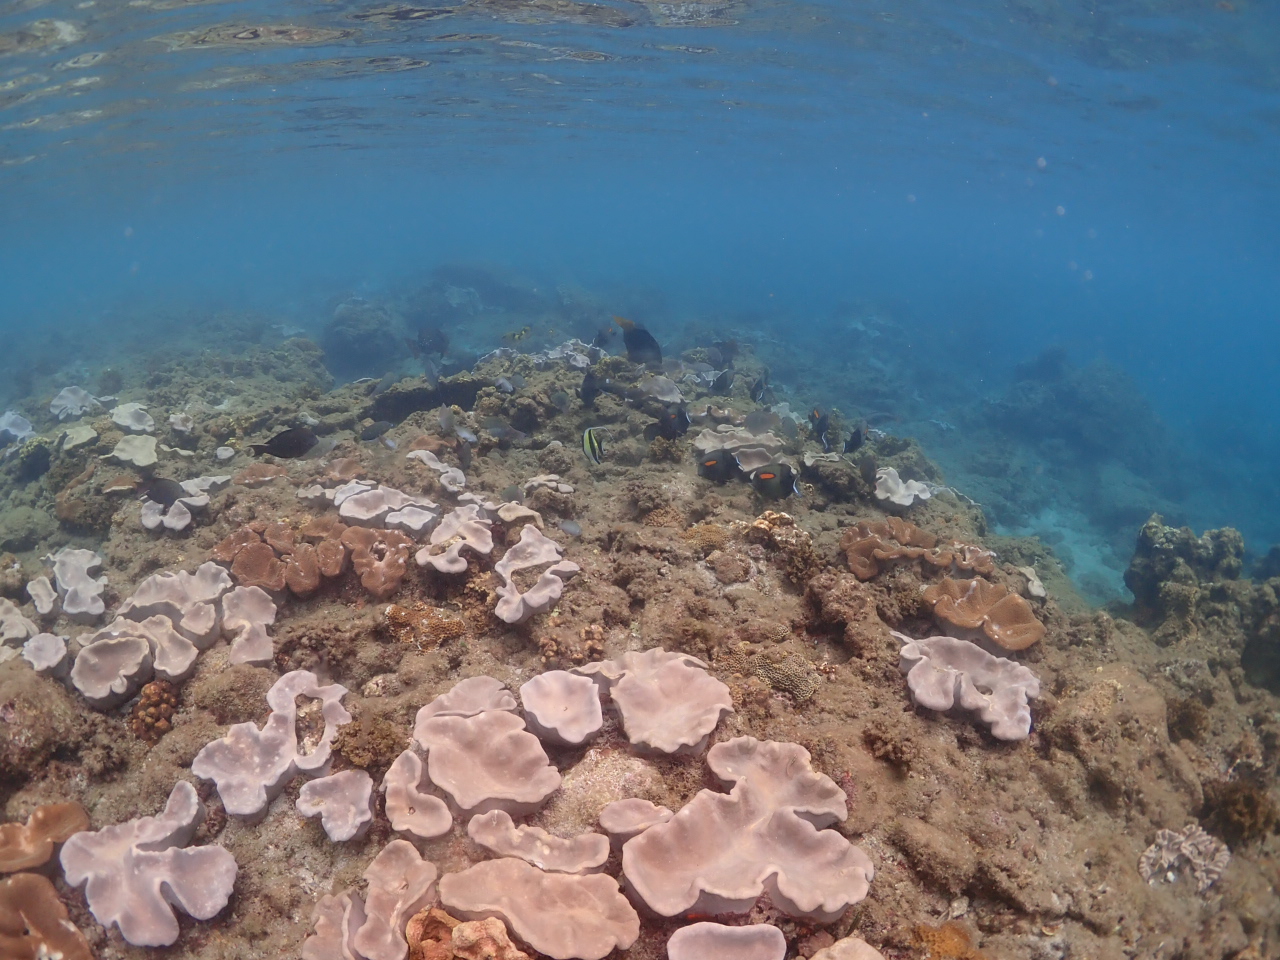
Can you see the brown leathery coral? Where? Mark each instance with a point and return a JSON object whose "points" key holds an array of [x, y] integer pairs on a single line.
{"points": [[380, 557], [30, 844], [34, 923], [978, 605], [948, 941], [869, 546], [256, 565]]}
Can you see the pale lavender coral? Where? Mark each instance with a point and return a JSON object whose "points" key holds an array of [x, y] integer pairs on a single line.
{"points": [[668, 701], [624, 819], [136, 872], [409, 807], [15, 628], [376, 507], [72, 402], [110, 671], [343, 802], [336, 920], [42, 595], [943, 672], [400, 884], [47, 654], [451, 478], [562, 707], [534, 549], [720, 852], [188, 599], [16, 426], [81, 593], [462, 528], [173, 655], [468, 697], [246, 614], [716, 941], [487, 762], [1173, 852], [251, 766], [560, 915], [499, 834], [133, 417]]}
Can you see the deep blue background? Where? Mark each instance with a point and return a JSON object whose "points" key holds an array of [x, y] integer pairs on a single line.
{"points": [[816, 155]]}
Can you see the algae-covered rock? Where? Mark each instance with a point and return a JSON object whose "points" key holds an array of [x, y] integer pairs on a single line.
{"points": [[39, 719]]}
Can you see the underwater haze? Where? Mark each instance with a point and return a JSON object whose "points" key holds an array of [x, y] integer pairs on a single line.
{"points": [[639, 480], [995, 179]]}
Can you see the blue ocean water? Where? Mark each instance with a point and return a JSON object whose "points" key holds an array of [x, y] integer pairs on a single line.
{"points": [[937, 192]]}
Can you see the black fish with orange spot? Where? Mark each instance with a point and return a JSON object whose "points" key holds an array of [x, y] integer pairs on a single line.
{"points": [[775, 481], [820, 423], [718, 466], [670, 426]]}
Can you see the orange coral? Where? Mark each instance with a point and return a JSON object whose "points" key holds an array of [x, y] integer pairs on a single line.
{"points": [[949, 941], [424, 625], [1005, 618], [226, 549], [30, 844], [152, 716], [280, 536], [302, 570], [868, 546]]}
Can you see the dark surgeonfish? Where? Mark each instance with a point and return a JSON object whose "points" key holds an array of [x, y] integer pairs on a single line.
{"points": [[718, 466], [374, 430], [671, 425], [722, 384], [162, 490], [592, 387], [775, 481], [288, 444], [821, 424], [855, 440], [761, 392], [640, 344]]}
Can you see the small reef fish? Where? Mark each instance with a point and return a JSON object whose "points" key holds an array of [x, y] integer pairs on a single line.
{"points": [[593, 444], [374, 430], [604, 336], [288, 444], [504, 385], [429, 340], [640, 344], [775, 481], [671, 425], [718, 466], [855, 440], [761, 392], [572, 527], [515, 336], [513, 494], [821, 425], [162, 490], [449, 423], [500, 430], [561, 401], [592, 386]]}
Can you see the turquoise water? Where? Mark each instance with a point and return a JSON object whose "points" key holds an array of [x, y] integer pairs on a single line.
{"points": [[985, 180]]}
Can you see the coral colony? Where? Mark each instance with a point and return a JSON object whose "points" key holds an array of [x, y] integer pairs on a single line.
{"points": [[421, 673]]}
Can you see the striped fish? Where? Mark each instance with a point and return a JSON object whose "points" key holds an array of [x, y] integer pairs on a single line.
{"points": [[593, 444]]}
